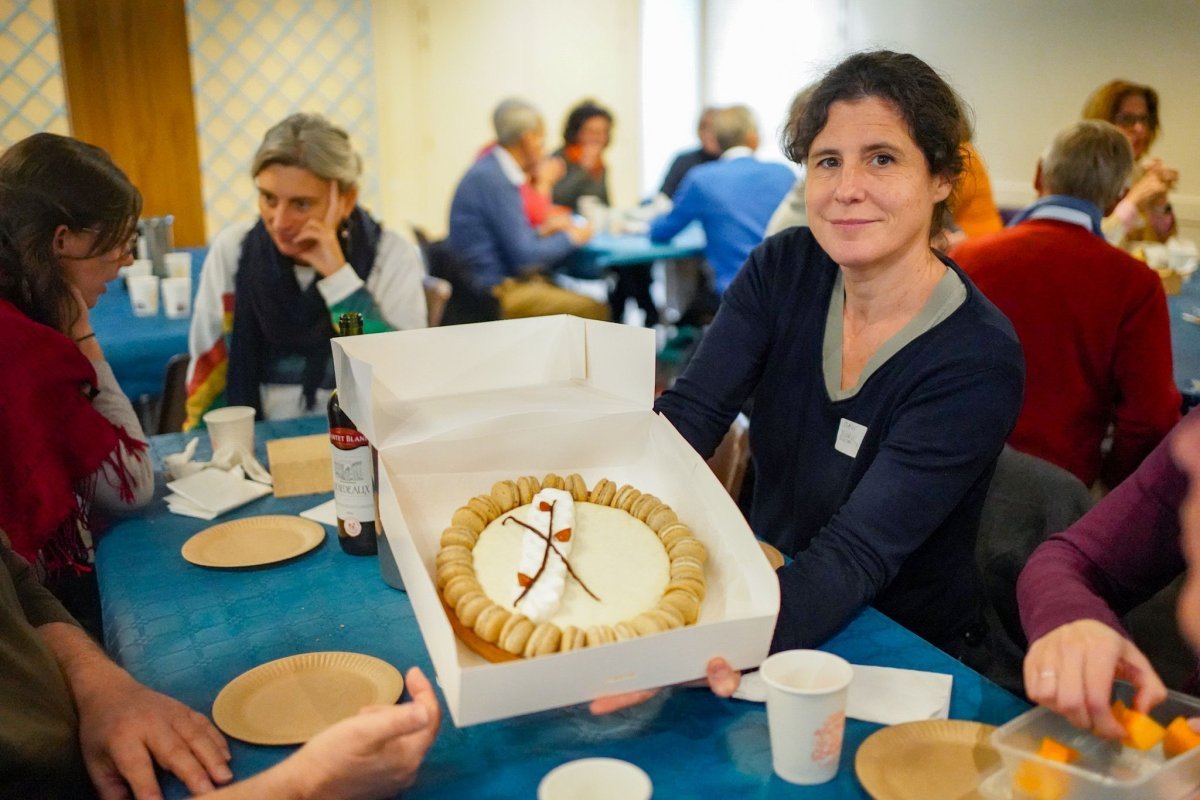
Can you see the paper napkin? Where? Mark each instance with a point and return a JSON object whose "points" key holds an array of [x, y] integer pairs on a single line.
{"points": [[213, 491], [325, 514], [886, 695]]}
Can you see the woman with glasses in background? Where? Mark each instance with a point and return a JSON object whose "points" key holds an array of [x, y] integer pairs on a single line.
{"points": [[71, 446], [1144, 214]]}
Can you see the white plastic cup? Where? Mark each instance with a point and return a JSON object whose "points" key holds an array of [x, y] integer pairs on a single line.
{"points": [[596, 779], [231, 426], [142, 266], [806, 713], [593, 211], [179, 264], [177, 297], [143, 295]]}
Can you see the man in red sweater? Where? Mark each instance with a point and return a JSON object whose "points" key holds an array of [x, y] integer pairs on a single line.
{"points": [[1091, 319]]}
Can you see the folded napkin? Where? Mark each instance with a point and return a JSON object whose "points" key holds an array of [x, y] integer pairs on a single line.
{"points": [[325, 514], [181, 465], [886, 695], [211, 492]]}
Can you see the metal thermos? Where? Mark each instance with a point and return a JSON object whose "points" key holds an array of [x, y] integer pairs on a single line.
{"points": [[155, 240]]}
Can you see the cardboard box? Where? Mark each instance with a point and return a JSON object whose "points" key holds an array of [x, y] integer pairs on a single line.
{"points": [[300, 465], [453, 410]]}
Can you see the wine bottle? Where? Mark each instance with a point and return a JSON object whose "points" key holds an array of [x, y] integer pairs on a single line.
{"points": [[353, 472]]}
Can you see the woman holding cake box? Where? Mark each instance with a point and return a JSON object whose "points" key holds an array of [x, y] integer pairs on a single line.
{"points": [[884, 383]]}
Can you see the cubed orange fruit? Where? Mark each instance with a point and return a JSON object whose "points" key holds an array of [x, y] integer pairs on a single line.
{"points": [[1179, 738], [1039, 782], [1053, 750], [1141, 731]]}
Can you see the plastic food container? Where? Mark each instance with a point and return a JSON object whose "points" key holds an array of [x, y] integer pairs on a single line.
{"points": [[1106, 770]]}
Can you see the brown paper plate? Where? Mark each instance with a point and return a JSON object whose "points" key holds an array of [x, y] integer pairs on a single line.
{"points": [[252, 541], [939, 759], [291, 700], [774, 557]]}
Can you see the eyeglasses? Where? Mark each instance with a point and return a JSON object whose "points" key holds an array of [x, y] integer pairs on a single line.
{"points": [[1130, 120], [126, 251]]}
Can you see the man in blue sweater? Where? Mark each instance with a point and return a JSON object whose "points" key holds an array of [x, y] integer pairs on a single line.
{"points": [[733, 197], [489, 228]]}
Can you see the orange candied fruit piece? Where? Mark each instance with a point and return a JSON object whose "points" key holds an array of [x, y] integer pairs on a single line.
{"points": [[1179, 738], [1039, 782], [1141, 731], [1053, 750]]}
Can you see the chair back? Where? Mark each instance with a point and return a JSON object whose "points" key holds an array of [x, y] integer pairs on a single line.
{"points": [[732, 455], [172, 408], [437, 295]]}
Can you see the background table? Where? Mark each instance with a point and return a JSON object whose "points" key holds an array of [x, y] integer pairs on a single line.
{"points": [[138, 348], [1185, 339], [188, 631]]}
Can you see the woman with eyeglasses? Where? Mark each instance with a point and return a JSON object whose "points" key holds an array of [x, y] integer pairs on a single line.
{"points": [[1144, 214], [71, 446]]}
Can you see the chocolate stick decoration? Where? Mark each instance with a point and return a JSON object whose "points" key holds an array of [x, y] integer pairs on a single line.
{"points": [[549, 544]]}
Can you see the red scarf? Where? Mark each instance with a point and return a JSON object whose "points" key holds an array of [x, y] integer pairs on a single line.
{"points": [[52, 442]]}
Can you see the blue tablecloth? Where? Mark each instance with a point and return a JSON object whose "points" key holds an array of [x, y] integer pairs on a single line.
{"points": [[606, 251], [1185, 338], [188, 631], [138, 348]]}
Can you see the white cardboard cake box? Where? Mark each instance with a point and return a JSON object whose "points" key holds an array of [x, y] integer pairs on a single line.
{"points": [[452, 410]]}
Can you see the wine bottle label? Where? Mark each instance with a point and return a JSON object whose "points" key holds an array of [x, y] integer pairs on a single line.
{"points": [[347, 438], [353, 495]]}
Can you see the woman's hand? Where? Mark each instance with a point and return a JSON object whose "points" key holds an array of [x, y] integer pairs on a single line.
{"points": [[373, 754], [1150, 190], [319, 238], [721, 678], [1071, 670], [81, 330]]}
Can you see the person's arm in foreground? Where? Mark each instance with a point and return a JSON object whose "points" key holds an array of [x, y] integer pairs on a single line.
{"points": [[125, 727], [1077, 584], [371, 755]]}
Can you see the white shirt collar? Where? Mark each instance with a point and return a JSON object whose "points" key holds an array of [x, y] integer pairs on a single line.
{"points": [[740, 151], [512, 170], [1062, 214]]}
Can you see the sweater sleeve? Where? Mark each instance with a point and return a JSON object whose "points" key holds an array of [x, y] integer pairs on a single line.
{"points": [[391, 298], [114, 406], [37, 603], [941, 441], [728, 364], [1147, 401], [688, 202], [513, 235], [1116, 556]]}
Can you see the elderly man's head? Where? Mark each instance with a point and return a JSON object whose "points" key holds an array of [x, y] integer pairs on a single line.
{"points": [[1090, 160], [735, 126], [520, 131]]}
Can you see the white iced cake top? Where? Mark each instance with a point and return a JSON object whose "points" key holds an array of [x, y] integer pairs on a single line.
{"points": [[619, 559]]}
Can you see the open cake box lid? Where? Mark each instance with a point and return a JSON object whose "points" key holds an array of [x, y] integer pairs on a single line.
{"points": [[418, 385]]}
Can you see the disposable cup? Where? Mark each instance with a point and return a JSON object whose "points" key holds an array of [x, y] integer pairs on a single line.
{"points": [[177, 297], [806, 713], [231, 426], [141, 266], [179, 264], [143, 295], [596, 779]]}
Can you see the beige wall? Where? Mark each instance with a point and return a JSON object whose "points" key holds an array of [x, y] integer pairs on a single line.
{"points": [[442, 65], [1026, 67]]}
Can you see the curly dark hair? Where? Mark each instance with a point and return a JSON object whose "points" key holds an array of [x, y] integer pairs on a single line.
{"points": [[936, 117], [47, 180], [581, 114]]}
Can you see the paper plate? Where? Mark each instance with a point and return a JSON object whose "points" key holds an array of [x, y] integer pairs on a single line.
{"points": [[252, 541], [291, 700], [940, 759]]}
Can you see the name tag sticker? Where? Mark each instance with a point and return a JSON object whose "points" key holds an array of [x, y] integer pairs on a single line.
{"points": [[849, 437]]}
